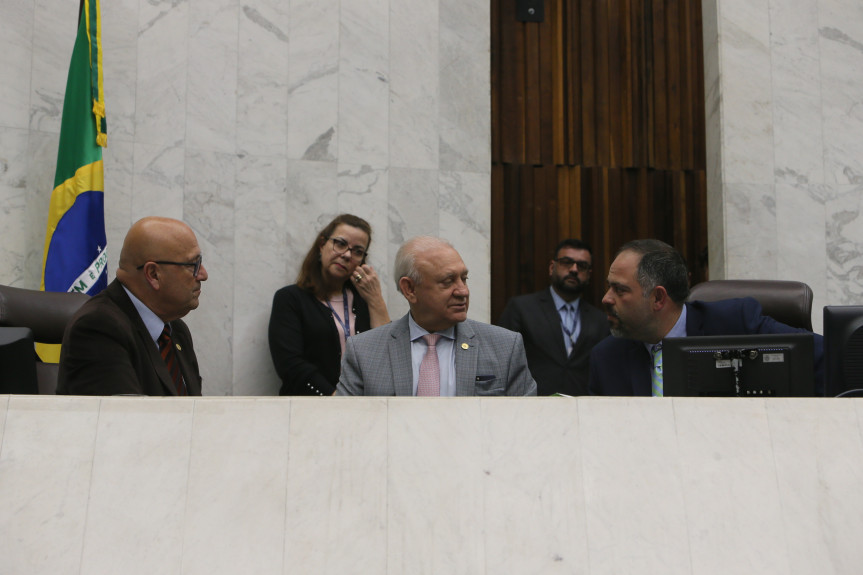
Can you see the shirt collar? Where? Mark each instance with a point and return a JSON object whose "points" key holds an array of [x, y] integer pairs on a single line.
{"points": [[417, 332], [559, 302], [151, 321], [677, 330]]}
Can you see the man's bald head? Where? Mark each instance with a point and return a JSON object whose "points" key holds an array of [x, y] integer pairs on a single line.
{"points": [[170, 289]]}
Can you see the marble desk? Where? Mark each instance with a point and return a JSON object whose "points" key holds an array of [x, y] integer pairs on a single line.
{"points": [[391, 486]]}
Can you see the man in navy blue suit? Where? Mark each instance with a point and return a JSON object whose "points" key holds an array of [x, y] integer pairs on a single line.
{"points": [[648, 284]]}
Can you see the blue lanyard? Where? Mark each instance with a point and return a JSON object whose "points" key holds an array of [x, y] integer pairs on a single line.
{"points": [[346, 323]]}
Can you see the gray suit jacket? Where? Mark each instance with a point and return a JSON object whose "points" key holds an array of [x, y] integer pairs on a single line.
{"points": [[489, 361]]}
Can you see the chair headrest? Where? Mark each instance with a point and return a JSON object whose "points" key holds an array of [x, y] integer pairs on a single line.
{"points": [[46, 313], [789, 302]]}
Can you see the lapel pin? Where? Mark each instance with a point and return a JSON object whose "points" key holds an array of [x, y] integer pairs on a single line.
{"points": [[464, 346], [179, 348]]}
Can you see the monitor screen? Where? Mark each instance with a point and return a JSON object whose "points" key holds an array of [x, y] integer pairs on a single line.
{"points": [[843, 349], [756, 365], [17, 361]]}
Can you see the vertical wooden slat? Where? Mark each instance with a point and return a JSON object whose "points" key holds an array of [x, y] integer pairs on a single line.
{"points": [[533, 99], [511, 68], [603, 97], [589, 124], [558, 80], [673, 48]]}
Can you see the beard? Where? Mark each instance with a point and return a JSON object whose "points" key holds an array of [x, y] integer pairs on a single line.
{"points": [[560, 284]]}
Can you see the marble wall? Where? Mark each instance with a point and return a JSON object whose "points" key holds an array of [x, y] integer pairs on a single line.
{"points": [[404, 485], [257, 121], [785, 154]]}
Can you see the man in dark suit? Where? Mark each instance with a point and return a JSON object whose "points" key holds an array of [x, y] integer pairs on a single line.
{"points": [[648, 284], [559, 328], [129, 339], [434, 350]]}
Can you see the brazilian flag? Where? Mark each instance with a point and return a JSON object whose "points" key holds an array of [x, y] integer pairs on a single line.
{"points": [[75, 243]]}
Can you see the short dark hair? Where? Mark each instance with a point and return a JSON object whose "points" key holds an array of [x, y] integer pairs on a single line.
{"points": [[573, 243], [660, 265], [311, 276]]}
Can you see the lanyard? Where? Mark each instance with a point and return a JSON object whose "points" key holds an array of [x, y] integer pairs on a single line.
{"points": [[570, 330], [346, 322]]}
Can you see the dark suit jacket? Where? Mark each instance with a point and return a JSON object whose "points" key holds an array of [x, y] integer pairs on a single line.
{"points": [[304, 341], [107, 350], [536, 319], [622, 366]]}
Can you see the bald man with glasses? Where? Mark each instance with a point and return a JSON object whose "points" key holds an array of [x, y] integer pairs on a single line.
{"points": [[129, 339], [558, 327]]}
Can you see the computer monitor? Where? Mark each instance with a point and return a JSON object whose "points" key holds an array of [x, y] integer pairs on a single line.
{"points": [[843, 349], [756, 365], [17, 361]]}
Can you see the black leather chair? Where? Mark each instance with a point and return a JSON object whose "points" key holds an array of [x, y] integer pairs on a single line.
{"points": [[46, 314], [788, 302]]}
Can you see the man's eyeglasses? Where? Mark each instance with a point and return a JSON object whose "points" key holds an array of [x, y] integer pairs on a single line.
{"points": [[567, 263], [340, 246], [195, 265]]}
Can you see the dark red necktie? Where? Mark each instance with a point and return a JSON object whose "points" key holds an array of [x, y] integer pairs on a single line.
{"points": [[166, 348]]}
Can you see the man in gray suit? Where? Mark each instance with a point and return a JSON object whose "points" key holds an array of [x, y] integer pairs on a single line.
{"points": [[434, 349], [559, 328]]}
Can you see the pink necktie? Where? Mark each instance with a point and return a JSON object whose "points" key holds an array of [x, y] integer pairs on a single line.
{"points": [[429, 380]]}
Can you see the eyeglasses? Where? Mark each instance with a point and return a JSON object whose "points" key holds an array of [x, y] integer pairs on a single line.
{"points": [[569, 262], [195, 265], [340, 246]]}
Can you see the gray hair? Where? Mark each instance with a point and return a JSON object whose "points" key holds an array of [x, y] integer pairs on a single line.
{"points": [[405, 265], [660, 265]]}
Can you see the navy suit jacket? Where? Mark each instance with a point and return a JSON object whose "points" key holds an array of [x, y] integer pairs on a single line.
{"points": [[535, 317], [621, 366]]}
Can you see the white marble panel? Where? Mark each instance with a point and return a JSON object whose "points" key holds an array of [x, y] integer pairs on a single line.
{"points": [[262, 77], [45, 472], [313, 98], [211, 99], [535, 520], [41, 166], [260, 211], [312, 202], [746, 92], [235, 511], [16, 45], [13, 206], [840, 25], [337, 486], [54, 31], [802, 241], [729, 475], [636, 514], [158, 181], [209, 209], [798, 140], [120, 67], [364, 83], [363, 191], [413, 211], [750, 228], [435, 487], [844, 220], [119, 161], [713, 144], [414, 84], [139, 487], [816, 444], [163, 68], [465, 68], [465, 215], [4, 405]]}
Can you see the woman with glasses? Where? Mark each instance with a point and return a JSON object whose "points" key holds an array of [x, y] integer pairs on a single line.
{"points": [[337, 295]]}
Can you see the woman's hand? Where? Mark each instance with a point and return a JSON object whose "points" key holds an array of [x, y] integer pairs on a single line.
{"points": [[368, 285]]}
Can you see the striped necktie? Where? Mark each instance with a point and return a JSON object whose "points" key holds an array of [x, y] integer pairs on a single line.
{"points": [[656, 370], [166, 349]]}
